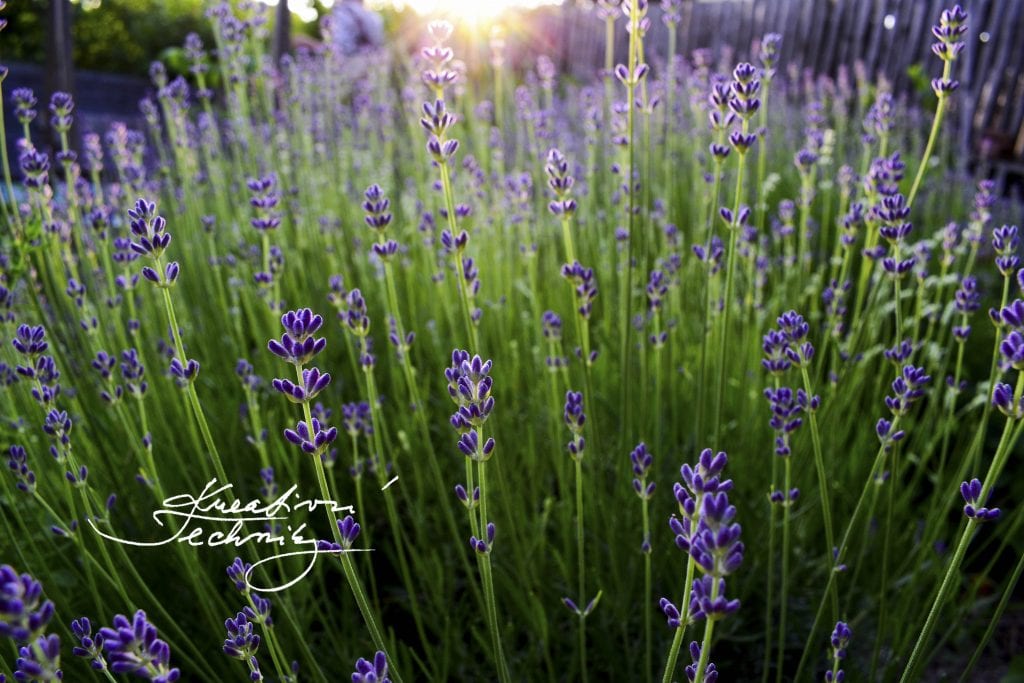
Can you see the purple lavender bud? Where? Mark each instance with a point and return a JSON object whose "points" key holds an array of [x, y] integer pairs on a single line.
{"points": [[349, 530], [840, 639], [710, 671], [385, 250], [702, 605], [907, 388], [1011, 315], [1003, 399], [89, 647], [551, 326], [40, 660], [372, 672], [238, 571], [24, 104], [242, 640], [132, 646], [883, 428], [35, 166], [184, 373], [30, 340], [671, 612], [264, 201], [952, 26], [740, 142], [585, 286], [974, 508], [377, 207], [944, 86], [17, 461], [769, 52], [313, 442], [23, 613], [61, 106], [967, 297], [1012, 349], [298, 345]]}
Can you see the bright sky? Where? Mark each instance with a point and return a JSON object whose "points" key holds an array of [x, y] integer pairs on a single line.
{"points": [[470, 10]]}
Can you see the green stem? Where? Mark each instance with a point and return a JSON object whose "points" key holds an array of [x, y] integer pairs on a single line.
{"points": [[684, 616], [1004, 448], [734, 230], [826, 505], [784, 589], [488, 579], [197, 408], [932, 137], [705, 648], [581, 569]]}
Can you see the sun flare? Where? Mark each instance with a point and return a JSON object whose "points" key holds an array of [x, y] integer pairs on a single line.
{"points": [[474, 11]]}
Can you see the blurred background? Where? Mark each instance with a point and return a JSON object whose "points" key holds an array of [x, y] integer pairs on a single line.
{"points": [[101, 49]]}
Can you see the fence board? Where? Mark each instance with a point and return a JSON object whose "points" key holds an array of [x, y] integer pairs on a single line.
{"points": [[824, 36]]}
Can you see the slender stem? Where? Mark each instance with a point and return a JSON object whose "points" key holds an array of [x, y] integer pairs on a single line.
{"points": [[1004, 448], [648, 606], [784, 589], [197, 408], [625, 325], [705, 322], [993, 623], [449, 203], [734, 230], [884, 578], [705, 648], [355, 584], [932, 136], [581, 568], [841, 550], [826, 505], [684, 617], [770, 577], [488, 579]]}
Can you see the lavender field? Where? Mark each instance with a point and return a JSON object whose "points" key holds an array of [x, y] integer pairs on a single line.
{"points": [[432, 361]]}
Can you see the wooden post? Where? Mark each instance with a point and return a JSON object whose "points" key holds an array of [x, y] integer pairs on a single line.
{"points": [[59, 66], [282, 31]]}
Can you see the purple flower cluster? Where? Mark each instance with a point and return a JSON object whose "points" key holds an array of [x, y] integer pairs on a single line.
{"points": [[952, 26], [469, 386], [840, 640], [585, 287], [372, 672], [264, 201], [149, 240], [974, 507], [574, 419], [132, 646], [561, 183], [439, 74], [705, 530], [298, 346]]}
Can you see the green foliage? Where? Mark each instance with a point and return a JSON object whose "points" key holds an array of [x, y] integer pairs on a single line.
{"points": [[118, 35]]}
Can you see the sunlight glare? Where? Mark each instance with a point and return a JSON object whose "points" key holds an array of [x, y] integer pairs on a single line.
{"points": [[473, 11]]}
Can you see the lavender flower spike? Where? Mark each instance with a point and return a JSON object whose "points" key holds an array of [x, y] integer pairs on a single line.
{"points": [[132, 647], [974, 507], [23, 612], [841, 636], [372, 672]]}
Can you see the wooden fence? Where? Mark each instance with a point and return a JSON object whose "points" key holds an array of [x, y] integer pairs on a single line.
{"points": [[886, 36]]}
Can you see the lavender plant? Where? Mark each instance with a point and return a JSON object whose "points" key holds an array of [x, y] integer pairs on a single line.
{"points": [[129, 381]]}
